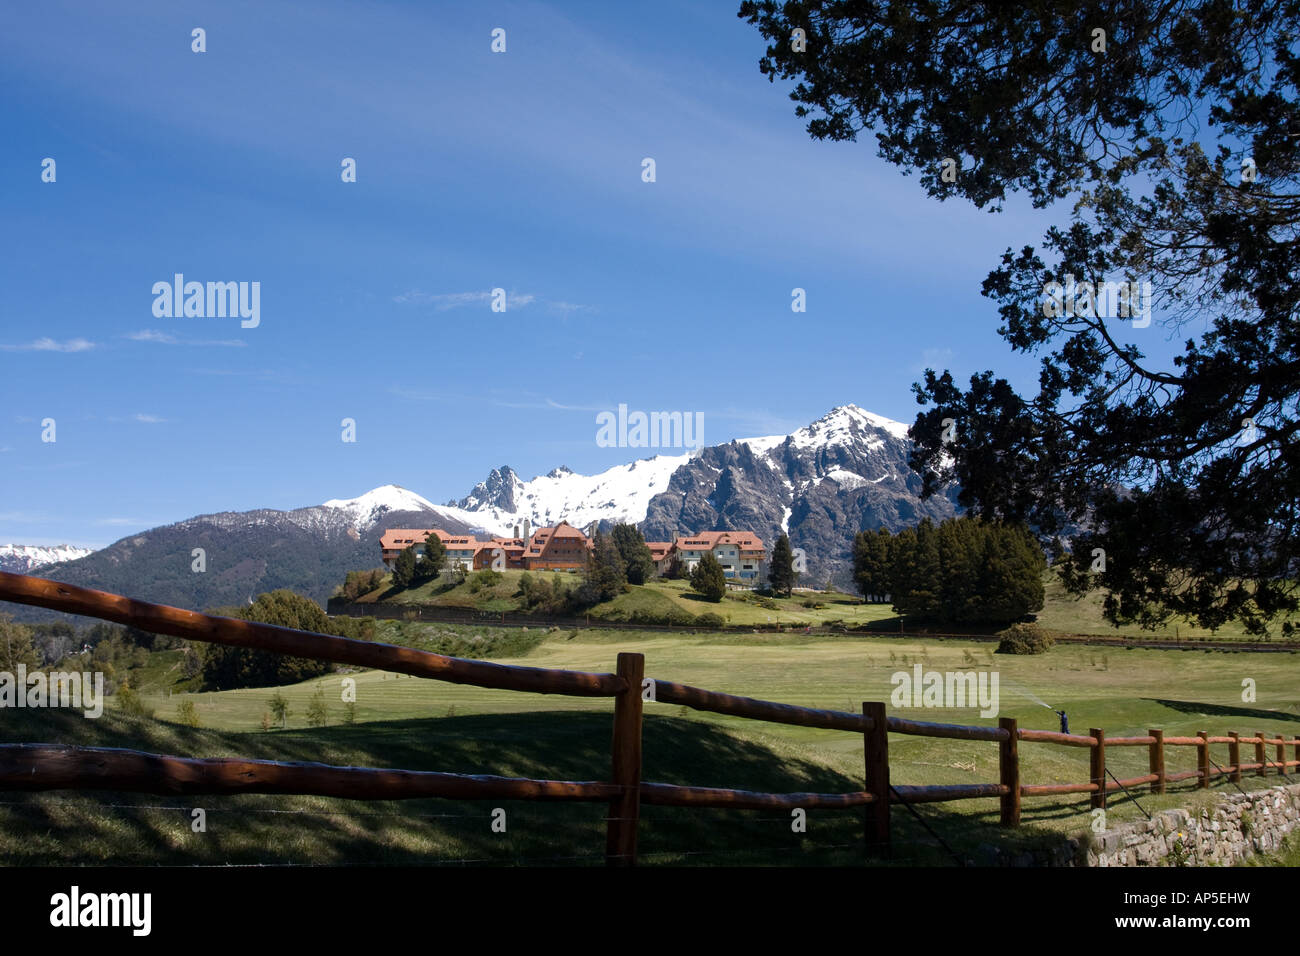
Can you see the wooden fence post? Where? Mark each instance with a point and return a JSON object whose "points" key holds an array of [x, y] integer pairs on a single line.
{"points": [[1097, 766], [624, 810], [1261, 755], [1203, 760], [1297, 752], [1234, 756], [1281, 754], [1156, 760], [1009, 765], [876, 753]]}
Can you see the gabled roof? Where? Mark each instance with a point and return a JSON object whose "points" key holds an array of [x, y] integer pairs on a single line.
{"points": [[659, 549], [708, 540], [397, 538]]}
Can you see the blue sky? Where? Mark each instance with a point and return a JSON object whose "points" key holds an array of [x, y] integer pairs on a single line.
{"points": [[475, 170]]}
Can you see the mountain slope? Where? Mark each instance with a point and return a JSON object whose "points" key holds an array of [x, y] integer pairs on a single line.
{"points": [[247, 552]]}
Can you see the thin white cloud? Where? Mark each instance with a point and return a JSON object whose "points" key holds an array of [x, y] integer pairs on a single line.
{"points": [[936, 358], [149, 419], [51, 345], [552, 405], [566, 309], [455, 300], [153, 335], [166, 338]]}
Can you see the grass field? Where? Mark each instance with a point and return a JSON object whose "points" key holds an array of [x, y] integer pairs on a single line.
{"points": [[419, 724], [1062, 612]]}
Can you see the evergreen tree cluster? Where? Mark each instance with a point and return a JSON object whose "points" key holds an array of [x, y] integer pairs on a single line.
{"points": [[411, 569], [606, 573], [964, 571], [229, 667]]}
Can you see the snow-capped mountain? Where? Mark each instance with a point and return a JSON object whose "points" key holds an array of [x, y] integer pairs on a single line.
{"points": [[364, 511], [823, 483], [21, 558], [621, 494]]}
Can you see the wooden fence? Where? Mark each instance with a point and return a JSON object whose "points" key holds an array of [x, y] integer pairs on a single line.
{"points": [[31, 767]]}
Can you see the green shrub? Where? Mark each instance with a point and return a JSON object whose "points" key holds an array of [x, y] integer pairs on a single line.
{"points": [[130, 702], [317, 712], [279, 709], [486, 578], [1024, 639], [187, 713], [709, 619]]}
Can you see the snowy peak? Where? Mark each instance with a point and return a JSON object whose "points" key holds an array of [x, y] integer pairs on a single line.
{"points": [[370, 507], [848, 425], [619, 494], [498, 491], [21, 558]]}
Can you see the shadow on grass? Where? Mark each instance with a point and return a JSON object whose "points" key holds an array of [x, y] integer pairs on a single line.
{"points": [[99, 828], [1219, 710]]}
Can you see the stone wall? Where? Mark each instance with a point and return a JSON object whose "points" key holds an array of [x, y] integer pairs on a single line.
{"points": [[1234, 829]]}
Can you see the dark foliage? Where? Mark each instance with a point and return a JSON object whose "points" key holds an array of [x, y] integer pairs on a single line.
{"points": [[1175, 142]]}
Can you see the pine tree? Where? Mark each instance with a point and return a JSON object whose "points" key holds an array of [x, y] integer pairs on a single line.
{"points": [[871, 560], [960, 550], [636, 556], [606, 574], [780, 571], [708, 578], [918, 571], [435, 556], [404, 568]]}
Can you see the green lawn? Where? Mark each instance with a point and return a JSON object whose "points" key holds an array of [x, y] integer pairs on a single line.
{"points": [[420, 724], [1069, 614], [1062, 612]]}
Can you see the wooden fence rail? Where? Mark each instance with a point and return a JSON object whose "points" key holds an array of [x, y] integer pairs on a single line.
{"points": [[36, 767]]}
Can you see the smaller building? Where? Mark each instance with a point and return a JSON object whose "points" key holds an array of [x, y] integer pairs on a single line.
{"points": [[741, 553], [661, 552]]}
